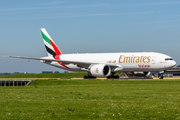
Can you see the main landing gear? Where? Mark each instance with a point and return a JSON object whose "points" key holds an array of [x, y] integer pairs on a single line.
{"points": [[89, 76], [113, 76]]}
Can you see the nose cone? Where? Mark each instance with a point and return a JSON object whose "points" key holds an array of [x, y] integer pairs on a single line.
{"points": [[173, 63]]}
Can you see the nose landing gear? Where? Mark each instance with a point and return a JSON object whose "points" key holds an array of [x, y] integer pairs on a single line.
{"points": [[160, 75]]}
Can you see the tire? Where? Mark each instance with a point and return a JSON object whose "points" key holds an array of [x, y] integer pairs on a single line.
{"points": [[160, 76]]}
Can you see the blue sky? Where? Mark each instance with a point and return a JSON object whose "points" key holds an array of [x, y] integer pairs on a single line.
{"points": [[79, 26]]}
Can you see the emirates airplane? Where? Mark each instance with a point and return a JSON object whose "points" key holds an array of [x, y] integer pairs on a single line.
{"points": [[103, 64]]}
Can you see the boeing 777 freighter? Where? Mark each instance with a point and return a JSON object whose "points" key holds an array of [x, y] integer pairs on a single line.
{"points": [[103, 64]]}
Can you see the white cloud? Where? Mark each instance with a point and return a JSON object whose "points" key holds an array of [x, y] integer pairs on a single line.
{"points": [[143, 4], [150, 4], [54, 3], [87, 6], [154, 22], [66, 15], [41, 8], [160, 3]]}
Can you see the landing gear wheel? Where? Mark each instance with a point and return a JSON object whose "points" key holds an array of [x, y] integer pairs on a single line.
{"points": [[89, 77], [113, 76], [110, 77], [160, 76]]}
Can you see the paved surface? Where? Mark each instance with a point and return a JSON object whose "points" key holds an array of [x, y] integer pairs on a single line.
{"points": [[33, 79]]}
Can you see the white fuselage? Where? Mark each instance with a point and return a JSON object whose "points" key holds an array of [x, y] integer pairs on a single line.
{"points": [[135, 61], [103, 64]]}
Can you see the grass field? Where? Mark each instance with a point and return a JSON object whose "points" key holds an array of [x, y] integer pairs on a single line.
{"points": [[50, 75], [47, 75], [92, 99]]}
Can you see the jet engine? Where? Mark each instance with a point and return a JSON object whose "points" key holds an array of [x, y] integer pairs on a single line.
{"points": [[100, 70]]}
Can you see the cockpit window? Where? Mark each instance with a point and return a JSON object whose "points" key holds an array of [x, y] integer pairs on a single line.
{"points": [[168, 59]]}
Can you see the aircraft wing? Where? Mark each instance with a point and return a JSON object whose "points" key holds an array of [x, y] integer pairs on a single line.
{"points": [[51, 60], [63, 61]]}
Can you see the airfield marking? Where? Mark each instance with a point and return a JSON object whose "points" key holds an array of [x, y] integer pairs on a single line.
{"points": [[175, 78], [77, 78]]}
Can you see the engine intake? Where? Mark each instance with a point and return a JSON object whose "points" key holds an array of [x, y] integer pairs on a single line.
{"points": [[100, 70]]}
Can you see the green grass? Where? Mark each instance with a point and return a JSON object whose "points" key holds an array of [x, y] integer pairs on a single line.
{"points": [[49, 75], [92, 99]]}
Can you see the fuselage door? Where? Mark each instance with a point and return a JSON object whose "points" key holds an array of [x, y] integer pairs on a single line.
{"points": [[153, 60]]}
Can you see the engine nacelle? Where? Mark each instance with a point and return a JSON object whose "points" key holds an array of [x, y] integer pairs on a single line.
{"points": [[100, 70]]}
